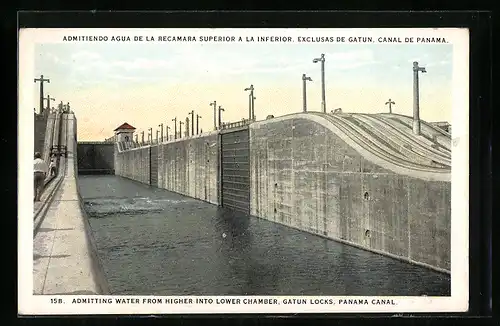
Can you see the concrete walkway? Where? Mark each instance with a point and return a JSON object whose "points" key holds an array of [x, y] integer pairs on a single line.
{"points": [[64, 261]]}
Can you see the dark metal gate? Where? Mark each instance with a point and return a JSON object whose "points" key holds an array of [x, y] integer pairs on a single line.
{"points": [[153, 166], [235, 170]]}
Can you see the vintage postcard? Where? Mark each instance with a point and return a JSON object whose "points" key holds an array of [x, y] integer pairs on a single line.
{"points": [[243, 171]]}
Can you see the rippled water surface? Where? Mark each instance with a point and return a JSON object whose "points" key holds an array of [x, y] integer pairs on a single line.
{"points": [[152, 241]]}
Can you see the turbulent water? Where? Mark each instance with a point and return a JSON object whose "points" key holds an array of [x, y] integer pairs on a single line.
{"points": [[152, 241]]}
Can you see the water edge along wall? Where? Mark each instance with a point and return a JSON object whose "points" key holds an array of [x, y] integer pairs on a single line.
{"points": [[360, 179]]}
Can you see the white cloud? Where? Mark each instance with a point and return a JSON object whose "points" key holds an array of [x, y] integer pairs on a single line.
{"points": [[54, 58], [85, 56], [351, 59], [142, 63]]}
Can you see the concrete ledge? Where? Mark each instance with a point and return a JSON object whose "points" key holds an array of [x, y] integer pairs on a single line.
{"points": [[64, 257], [97, 269], [61, 260]]}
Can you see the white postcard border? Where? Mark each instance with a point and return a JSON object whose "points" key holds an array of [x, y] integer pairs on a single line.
{"points": [[30, 304]]}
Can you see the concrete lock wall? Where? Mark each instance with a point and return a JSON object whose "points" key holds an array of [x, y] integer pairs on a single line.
{"points": [[305, 176], [95, 157], [187, 166], [133, 164]]}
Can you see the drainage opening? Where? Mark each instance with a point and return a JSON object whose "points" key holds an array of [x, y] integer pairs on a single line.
{"points": [[366, 196], [367, 233]]}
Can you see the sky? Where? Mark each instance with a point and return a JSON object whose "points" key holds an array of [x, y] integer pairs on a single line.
{"points": [[145, 84]]}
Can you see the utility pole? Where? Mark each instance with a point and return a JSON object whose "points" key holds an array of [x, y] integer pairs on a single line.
{"points": [[250, 101], [214, 104], [253, 107], [220, 116], [161, 125], [416, 108], [187, 126], [390, 102], [175, 127], [48, 99], [198, 117], [41, 80], [168, 128], [323, 96], [192, 122], [180, 128], [304, 92]]}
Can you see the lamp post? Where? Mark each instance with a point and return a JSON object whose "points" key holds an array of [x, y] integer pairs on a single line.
{"points": [[175, 127], [304, 92], [41, 80], [157, 131], [323, 96], [142, 133], [180, 128], [168, 128], [192, 122], [187, 126], [220, 116], [150, 135], [161, 125], [390, 102], [416, 108], [250, 102], [48, 99], [198, 117], [214, 104]]}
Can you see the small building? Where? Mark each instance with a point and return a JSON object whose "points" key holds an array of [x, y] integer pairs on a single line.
{"points": [[124, 133]]}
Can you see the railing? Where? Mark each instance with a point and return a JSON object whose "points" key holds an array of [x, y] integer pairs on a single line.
{"points": [[237, 124], [93, 142]]}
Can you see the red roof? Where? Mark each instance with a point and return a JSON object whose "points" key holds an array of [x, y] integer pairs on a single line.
{"points": [[125, 126]]}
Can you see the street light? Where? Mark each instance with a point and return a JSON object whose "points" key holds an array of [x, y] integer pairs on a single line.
{"points": [[220, 116], [390, 103], [150, 134], [214, 104], [416, 107], [168, 128], [161, 125], [323, 97], [304, 92], [250, 102], [192, 122], [198, 117], [175, 127]]}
